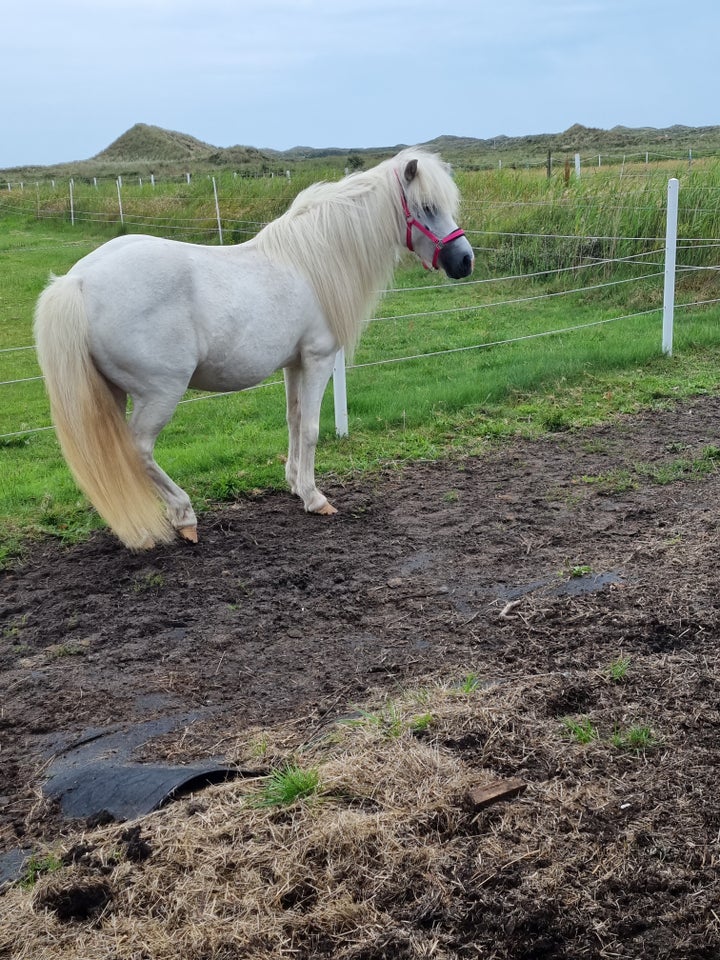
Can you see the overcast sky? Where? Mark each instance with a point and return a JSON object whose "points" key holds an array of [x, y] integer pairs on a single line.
{"points": [[76, 74]]}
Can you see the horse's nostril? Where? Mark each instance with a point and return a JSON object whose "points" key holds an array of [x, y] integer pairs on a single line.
{"points": [[467, 264]]}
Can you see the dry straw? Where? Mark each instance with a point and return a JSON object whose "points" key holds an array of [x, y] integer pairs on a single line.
{"points": [[389, 858]]}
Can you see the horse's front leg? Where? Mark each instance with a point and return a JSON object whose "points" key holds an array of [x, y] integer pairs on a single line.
{"points": [[292, 395], [313, 379]]}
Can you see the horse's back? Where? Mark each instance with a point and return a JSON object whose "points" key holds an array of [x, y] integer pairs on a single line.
{"points": [[152, 271], [144, 254]]}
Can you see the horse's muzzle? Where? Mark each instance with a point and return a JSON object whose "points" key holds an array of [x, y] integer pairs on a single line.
{"points": [[457, 259]]}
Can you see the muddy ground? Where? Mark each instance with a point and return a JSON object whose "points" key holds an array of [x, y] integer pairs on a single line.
{"points": [[544, 558]]}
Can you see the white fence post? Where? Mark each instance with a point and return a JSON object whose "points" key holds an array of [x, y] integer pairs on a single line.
{"points": [[670, 257], [340, 394], [119, 191], [577, 165], [217, 211], [72, 204]]}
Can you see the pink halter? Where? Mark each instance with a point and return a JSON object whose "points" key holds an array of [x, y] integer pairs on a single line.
{"points": [[412, 221]]}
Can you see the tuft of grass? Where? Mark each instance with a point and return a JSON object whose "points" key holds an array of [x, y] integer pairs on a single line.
{"points": [[470, 684], [287, 785], [63, 650], [636, 737], [581, 730], [617, 671], [422, 723], [614, 482], [388, 721], [36, 867], [148, 582]]}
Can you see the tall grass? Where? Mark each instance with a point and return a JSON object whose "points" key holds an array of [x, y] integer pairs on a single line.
{"points": [[600, 216], [520, 220], [170, 207]]}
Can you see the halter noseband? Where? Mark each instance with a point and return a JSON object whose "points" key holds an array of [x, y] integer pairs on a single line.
{"points": [[412, 221]]}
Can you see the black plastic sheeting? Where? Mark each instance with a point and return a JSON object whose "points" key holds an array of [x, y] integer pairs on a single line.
{"points": [[93, 779], [95, 774], [123, 791]]}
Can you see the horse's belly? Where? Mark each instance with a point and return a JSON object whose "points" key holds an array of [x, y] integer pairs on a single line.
{"points": [[231, 376]]}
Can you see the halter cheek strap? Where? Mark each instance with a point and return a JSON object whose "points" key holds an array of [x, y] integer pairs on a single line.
{"points": [[412, 221]]}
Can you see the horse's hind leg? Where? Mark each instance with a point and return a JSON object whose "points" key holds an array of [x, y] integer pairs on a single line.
{"points": [[148, 417]]}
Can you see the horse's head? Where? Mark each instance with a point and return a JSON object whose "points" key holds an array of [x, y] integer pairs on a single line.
{"points": [[429, 200]]}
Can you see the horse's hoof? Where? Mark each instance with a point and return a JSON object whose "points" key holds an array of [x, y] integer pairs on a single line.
{"points": [[327, 510], [189, 533]]}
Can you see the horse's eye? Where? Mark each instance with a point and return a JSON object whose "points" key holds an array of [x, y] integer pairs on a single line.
{"points": [[429, 211]]}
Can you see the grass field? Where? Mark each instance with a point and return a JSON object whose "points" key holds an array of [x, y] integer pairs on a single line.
{"points": [[519, 223]]}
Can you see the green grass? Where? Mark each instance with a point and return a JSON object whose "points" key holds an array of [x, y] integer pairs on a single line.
{"points": [[391, 722], [288, 785], [422, 723], [424, 407], [581, 730], [471, 683], [38, 866], [148, 583], [637, 737], [682, 468], [672, 471], [617, 671], [388, 722]]}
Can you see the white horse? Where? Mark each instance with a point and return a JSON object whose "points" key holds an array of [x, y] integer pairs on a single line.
{"points": [[147, 318]]}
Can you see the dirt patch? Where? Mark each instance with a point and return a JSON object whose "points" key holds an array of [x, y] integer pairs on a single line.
{"points": [[533, 569]]}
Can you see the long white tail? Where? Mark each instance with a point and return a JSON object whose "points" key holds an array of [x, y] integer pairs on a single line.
{"points": [[93, 433]]}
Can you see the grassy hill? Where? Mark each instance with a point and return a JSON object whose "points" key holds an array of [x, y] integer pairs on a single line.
{"points": [[145, 142], [145, 148]]}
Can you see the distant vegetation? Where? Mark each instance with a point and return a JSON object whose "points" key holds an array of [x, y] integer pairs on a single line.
{"points": [[146, 149]]}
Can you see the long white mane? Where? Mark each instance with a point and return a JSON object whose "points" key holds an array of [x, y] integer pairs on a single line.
{"points": [[346, 236]]}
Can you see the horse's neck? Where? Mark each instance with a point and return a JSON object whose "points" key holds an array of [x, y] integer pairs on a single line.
{"points": [[346, 247], [366, 253]]}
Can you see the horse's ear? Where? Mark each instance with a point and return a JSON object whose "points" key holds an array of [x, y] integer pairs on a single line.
{"points": [[411, 171]]}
